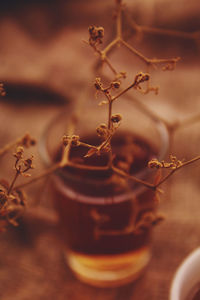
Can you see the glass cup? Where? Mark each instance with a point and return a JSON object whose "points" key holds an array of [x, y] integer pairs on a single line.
{"points": [[101, 213]]}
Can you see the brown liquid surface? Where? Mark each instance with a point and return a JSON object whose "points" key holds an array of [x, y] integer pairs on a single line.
{"points": [[102, 227]]}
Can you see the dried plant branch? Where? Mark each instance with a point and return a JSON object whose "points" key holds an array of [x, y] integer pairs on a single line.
{"points": [[96, 37], [139, 78], [22, 166], [133, 178], [174, 165], [12, 200], [138, 28]]}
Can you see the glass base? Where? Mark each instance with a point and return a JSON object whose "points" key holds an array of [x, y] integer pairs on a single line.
{"points": [[108, 270]]}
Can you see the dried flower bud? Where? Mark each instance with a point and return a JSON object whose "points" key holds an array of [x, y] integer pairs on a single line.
{"points": [[175, 162], [28, 141], [75, 140], [141, 77], [65, 140], [97, 83], [123, 74], [116, 84], [91, 28], [103, 102], [116, 118], [100, 31], [102, 130], [19, 152], [154, 163], [28, 163], [96, 34], [12, 205]]}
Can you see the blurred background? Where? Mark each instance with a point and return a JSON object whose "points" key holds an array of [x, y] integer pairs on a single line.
{"points": [[45, 65]]}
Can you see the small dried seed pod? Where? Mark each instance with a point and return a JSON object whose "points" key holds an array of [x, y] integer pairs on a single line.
{"points": [[91, 29], [97, 83], [19, 152], [65, 140], [75, 140], [96, 33], [116, 84], [102, 130], [122, 74], [100, 31], [154, 163], [116, 118], [28, 141], [141, 77], [29, 163]]}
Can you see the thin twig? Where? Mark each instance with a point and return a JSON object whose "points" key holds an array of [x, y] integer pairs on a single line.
{"points": [[191, 161], [169, 32], [43, 174], [135, 179], [13, 182], [9, 146]]}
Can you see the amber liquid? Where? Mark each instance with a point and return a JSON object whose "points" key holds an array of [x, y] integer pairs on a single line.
{"points": [[96, 213]]}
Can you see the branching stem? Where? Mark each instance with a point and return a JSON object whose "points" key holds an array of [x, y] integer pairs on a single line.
{"points": [[13, 182]]}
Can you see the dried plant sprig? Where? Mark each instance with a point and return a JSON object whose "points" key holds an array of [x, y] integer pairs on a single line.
{"points": [[142, 29], [22, 166], [103, 131], [147, 220], [96, 35], [25, 141], [139, 78], [12, 200], [173, 166], [12, 205]]}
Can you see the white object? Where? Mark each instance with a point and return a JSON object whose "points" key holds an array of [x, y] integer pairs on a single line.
{"points": [[187, 277]]}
